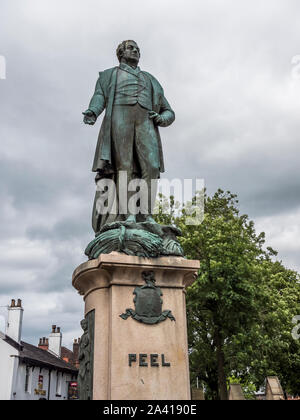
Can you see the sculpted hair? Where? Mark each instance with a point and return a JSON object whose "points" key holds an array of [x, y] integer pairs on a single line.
{"points": [[121, 48]]}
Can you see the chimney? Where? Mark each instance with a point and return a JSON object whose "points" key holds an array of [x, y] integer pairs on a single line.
{"points": [[44, 343], [76, 352], [14, 320], [54, 343]]}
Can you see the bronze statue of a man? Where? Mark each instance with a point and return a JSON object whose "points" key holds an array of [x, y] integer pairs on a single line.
{"points": [[129, 139]]}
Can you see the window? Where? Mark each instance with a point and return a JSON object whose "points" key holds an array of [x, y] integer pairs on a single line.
{"points": [[27, 378], [58, 384]]}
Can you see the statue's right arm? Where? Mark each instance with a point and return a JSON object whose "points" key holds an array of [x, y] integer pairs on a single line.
{"points": [[96, 106]]}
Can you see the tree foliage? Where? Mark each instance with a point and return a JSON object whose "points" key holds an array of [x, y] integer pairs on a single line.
{"points": [[241, 306]]}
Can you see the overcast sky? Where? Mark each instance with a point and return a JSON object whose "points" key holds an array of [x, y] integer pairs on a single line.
{"points": [[230, 70]]}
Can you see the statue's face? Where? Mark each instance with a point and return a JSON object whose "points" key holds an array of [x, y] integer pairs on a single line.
{"points": [[84, 324], [131, 52]]}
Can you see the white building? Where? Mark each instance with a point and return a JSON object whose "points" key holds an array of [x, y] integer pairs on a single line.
{"points": [[28, 372]]}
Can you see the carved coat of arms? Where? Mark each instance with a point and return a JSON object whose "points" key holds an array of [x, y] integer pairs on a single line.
{"points": [[148, 303]]}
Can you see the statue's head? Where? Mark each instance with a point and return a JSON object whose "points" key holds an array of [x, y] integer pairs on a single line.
{"points": [[128, 52], [84, 324]]}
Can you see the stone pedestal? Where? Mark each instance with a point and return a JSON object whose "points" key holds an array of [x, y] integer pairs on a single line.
{"points": [[235, 392], [133, 360]]}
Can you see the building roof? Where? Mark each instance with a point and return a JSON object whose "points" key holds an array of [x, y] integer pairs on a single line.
{"points": [[34, 356], [10, 341], [65, 352]]}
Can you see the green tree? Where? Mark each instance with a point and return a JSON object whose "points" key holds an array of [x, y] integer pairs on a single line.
{"points": [[275, 351], [241, 305]]}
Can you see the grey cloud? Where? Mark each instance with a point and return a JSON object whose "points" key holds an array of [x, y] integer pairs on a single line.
{"points": [[66, 229], [225, 68]]}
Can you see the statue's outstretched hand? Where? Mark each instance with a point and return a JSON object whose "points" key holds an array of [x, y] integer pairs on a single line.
{"points": [[89, 117], [155, 117]]}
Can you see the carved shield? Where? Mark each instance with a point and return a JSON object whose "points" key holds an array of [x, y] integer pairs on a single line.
{"points": [[148, 302]]}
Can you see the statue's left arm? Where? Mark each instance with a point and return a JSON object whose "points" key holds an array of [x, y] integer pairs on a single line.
{"points": [[166, 114], [162, 114]]}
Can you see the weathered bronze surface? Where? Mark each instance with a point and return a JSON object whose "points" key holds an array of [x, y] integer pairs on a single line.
{"points": [[148, 303], [86, 357], [144, 239], [129, 140]]}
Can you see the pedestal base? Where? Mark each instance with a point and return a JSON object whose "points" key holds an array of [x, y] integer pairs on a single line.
{"points": [[133, 360]]}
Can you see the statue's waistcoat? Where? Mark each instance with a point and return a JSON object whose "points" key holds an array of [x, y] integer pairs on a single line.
{"points": [[133, 87]]}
